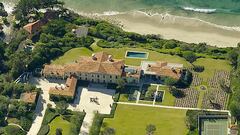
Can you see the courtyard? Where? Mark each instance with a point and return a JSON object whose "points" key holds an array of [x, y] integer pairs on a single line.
{"points": [[94, 98]]}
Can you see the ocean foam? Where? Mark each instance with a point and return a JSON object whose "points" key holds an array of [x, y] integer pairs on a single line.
{"points": [[201, 10], [167, 15]]}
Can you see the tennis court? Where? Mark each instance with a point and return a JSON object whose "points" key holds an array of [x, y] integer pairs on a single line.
{"points": [[214, 127]]}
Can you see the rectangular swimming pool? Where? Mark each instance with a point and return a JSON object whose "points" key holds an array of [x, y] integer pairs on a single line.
{"points": [[136, 54]]}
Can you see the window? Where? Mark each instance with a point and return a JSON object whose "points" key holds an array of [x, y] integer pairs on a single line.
{"points": [[110, 76], [103, 76], [116, 77], [110, 81], [98, 76], [92, 75], [92, 80]]}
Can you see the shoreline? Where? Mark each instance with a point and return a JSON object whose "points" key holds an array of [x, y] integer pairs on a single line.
{"points": [[190, 30]]}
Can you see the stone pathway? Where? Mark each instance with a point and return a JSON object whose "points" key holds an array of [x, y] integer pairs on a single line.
{"points": [[87, 123], [13, 124], [41, 106]]}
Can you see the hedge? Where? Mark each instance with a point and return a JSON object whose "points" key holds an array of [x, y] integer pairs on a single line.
{"points": [[44, 130], [49, 116], [98, 120]]}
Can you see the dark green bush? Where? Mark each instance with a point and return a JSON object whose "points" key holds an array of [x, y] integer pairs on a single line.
{"points": [[44, 130], [49, 116], [25, 123], [76, 120]]}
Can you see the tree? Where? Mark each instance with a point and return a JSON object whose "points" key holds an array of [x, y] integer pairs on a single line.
{"points": [[233, 57], [224, 86], [176, 92], [61, 107], [121, 83], [58, 131], [55, 28], [189, 56], [170, 81], [108, 131], [150, 129], [235, 109]]}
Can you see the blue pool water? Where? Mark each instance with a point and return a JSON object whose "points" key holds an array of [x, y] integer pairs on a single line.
{"points": [[132, 54]]}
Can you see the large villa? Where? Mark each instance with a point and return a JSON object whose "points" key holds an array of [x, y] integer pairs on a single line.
{"points": [[103, 68]]}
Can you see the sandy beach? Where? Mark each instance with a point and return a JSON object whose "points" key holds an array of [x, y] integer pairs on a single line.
{"points": [[179, 28], [168, 26]]}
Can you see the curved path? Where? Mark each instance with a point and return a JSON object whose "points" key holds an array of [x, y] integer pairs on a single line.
{"points": [[13, 124]]}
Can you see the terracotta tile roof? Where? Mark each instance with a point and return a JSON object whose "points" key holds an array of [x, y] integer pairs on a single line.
{"points": [[65, 90], [54, 70], [34, 27], [28, 97], [99, 63], [162, 69]]}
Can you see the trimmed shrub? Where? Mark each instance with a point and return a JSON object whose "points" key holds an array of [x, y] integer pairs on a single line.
{"points": [[44, 130], [13, 130], [96, 125], [77, 120], [98, 120], [25, 123], [198, 68], [49, 116]]}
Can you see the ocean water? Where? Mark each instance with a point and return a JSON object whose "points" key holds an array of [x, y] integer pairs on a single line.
{"points": [[221, 12]]}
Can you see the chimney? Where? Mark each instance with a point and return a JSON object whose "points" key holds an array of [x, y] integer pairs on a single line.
{"points": [[74, 31], [110, 58], [94, 56]]}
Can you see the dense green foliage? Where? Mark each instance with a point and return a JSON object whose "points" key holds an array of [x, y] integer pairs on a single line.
{"points": [[12, 108], [98, 120], [13, 130], [234, 57], [25, 7], [44, 130], [96, 125], [75, 118]]}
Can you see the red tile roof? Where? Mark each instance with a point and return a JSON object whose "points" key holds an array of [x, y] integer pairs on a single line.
{"points": [[99, 63], [67, 90], [162, 69], [28, 97], [34, 27]]}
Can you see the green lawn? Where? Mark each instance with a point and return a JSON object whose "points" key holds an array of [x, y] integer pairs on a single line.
{"points": [[169, 99], [118, 53], [211, 65], [58, 122], [132, 120]]}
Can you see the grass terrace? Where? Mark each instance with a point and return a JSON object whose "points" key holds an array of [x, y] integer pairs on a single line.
{"points": [[118, 53], [210, 65], [59, 122], [168, 98], [136, 118]]}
